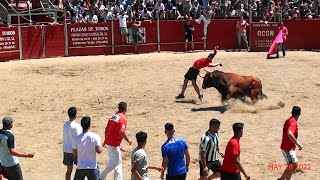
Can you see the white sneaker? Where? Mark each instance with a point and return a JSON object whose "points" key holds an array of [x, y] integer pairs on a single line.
{"points": [[198, 21], [204, 37]]}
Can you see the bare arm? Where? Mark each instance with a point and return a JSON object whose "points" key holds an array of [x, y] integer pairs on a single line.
{"points": [[215, 65], [124, 136], [135, 171], [186, 153], [164, 166], [238, 164], [294, 140], [203, 162], [14, 152], [155, 167], [75, 153]]}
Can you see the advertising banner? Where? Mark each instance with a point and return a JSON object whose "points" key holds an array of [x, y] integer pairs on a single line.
{"points": [[262, 36]]}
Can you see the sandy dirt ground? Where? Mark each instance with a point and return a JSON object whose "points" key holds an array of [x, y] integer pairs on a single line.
{"points": [[37, 94]]}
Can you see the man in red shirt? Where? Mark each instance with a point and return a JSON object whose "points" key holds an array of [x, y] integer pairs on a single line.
{"points": [[114, 133], [193, 73], [289, 142], [231, 166], [284, 36]]}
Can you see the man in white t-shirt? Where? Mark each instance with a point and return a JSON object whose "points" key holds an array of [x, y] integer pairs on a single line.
{"points": [[85, 148], [139, 159], [123, 26], [71, 129]]}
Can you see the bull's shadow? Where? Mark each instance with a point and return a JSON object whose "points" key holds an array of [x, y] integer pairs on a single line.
{"points": [[220, 109]]}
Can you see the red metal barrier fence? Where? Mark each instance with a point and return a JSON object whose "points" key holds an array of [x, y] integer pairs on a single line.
{"points": [[163, 35]]}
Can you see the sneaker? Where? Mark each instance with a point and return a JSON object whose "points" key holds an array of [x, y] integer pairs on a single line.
{"points": [[198, 21], [201, 97], [204, 37], [180, 96]]}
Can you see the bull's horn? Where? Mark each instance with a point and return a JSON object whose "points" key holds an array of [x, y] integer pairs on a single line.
{"points": [[206, 70], [201, 76]]}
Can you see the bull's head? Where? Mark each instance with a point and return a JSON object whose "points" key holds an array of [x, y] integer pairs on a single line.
{"points": [[209, 81]]}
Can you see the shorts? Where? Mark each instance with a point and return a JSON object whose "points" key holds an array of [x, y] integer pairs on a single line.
{"points": [[137, 38], [124, 31], [290, 156], [192, 74], [214, 166], [91, 174], [13, 172], [2, 171], [179, 177], [230, 176], [188, 38], [68, 159]]}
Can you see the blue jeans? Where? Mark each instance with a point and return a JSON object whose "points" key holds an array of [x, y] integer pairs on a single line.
{"points": [[91, 174]]}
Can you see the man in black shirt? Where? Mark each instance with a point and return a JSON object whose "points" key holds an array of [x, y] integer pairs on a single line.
{"points": [[188, 28]]}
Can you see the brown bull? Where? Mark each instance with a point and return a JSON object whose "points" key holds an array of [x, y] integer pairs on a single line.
{"points": [[235, 86]]}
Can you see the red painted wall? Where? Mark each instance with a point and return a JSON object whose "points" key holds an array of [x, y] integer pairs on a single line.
{"points": [[54, 41], [31, 42]]}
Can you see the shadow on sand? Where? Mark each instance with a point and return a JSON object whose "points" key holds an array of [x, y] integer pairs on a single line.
{"points": [[186, 101], [221, 109]]}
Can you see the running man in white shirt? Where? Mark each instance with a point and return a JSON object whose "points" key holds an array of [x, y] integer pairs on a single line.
{"points": [[85, 148], [139, 159], [123, 26], [71, 129]]}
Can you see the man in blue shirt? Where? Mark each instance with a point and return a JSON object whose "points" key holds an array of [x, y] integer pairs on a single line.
{"points": [[173, 152], [8, 154]]}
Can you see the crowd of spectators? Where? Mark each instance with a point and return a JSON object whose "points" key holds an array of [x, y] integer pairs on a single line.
{"points": [[93, 11]]}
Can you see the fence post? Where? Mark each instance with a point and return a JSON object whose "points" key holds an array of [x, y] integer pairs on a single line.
{"points": [[158, 31], [43, 42], [66, 42], [112, 37], [20, 37]]}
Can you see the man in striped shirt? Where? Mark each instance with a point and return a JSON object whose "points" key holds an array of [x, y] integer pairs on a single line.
{"points": [[209, 150]]}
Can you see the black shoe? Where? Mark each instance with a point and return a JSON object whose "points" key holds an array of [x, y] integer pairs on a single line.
{"points": [[201, 97], [180, 96]]}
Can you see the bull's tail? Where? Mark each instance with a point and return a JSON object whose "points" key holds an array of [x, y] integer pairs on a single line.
{"points": [[261, 95]]}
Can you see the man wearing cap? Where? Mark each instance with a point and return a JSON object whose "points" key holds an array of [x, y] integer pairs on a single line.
{"points": [[289, 142], [174, 151], [8, 154], [194, 71], [114, 133]]}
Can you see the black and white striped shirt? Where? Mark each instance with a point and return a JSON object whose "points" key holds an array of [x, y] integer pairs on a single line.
{"points": [[210, 145]]}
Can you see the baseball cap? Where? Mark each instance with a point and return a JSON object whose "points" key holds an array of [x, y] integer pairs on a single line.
{"points": [[6, 121]]}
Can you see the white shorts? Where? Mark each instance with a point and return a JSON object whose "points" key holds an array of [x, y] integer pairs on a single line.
{"points": [[290, 156]]}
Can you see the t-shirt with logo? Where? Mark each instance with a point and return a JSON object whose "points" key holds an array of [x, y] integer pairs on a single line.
{"points": [[116, 123], [85, 144], [139, 156], [290, 124], [7, 142], [71, 129], [174, 150], [232, 149], [201, 63]]}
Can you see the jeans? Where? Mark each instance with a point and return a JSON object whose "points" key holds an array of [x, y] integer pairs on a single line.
{"points": [[114, 163], [242, 35], [206, 22]]}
